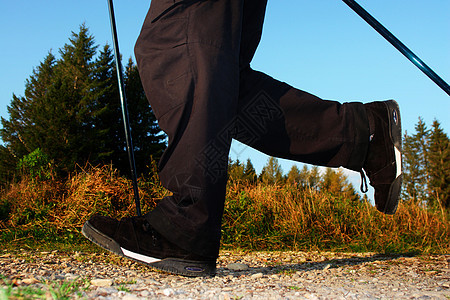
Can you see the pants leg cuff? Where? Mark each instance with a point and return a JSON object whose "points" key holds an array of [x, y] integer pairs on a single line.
{"points": [[361, 138]]}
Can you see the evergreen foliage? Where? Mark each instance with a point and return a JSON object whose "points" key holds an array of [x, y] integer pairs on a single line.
{"points": [[249, 172], [426, 166], [294, 176], [36, 165], [335, 182], [332, 181], [71, 112], [439, 166], [305, 178], [235, 170], [272, 172]]}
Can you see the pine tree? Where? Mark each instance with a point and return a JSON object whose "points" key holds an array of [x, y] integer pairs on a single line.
{"points": [[294, 176], [272, 172], [336, 182], [422, 138], [415, 164], [108, 116], [426, 168], [439, 167], [22, 132], [235, 170], [73, 94], [148, 139], [250, 173], [71, 111], [313, 177]]}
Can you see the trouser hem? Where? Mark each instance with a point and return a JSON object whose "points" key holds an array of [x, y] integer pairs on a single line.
{"points": [[361, 138]]}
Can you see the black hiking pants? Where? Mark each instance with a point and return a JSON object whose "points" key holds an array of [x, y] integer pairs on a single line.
{"points": [[194, 61]]}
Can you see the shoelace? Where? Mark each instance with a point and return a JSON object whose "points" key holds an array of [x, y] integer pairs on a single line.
{"points": [[364, 187]]}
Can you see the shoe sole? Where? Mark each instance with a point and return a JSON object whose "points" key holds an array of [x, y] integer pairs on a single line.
{"points": [[176, 266], [395, 131]]}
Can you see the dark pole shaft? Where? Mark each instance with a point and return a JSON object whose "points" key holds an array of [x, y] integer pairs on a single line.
{"points": [[123, 103], [398, 44]]}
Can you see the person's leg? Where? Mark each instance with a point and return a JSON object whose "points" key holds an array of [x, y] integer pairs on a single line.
{"points": [[194, 58], [201, 71], [188, 59], [285, 122], [282, 121]]}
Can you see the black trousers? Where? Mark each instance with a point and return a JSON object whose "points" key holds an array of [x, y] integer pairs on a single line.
{"points": [[194, 61]]}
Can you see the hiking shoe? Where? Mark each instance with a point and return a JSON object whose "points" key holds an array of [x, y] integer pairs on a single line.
{"points": [[134, 238], [383, 164]]}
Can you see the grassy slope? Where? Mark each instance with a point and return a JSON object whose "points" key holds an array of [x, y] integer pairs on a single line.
{"points": [[49, 215]]}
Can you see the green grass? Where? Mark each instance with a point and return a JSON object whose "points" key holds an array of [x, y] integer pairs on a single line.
{"points": [[49, 289]]}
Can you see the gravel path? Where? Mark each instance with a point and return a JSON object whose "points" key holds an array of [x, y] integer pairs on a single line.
{"points": [[253, 275]]}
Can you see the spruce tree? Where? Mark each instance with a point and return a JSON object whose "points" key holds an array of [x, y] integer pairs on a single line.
{"points": [[336, 182], [439, 167], [294, 176], [22, 132], [148, 139], [56, 113], [272, 172], [249, 172], [415, 164], [74, 96], [235, 170], [108, 118], [313, 178], [71, 111]]}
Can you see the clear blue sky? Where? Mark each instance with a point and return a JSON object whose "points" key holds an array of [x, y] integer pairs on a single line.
{"points": [[320, 46]]}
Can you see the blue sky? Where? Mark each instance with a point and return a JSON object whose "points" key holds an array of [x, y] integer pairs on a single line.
{"points": [[319, 46]]}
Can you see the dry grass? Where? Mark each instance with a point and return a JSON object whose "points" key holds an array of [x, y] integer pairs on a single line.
{"points": [[62, 205], [259, 217], [285, 217]]}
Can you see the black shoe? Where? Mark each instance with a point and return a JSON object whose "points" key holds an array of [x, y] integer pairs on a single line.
{"points": [[383, 164], [134, 238]]}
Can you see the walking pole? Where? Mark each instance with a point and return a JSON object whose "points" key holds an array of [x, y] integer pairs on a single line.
{"points": [[123, 103], [398, 44]]}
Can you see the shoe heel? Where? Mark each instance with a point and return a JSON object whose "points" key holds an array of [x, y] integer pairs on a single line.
{"points": [[186, 267], [395, 126]]}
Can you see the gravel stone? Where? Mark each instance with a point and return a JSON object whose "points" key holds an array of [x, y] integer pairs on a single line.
{"points": [[237, 267], [257, 276], [130, 297], [266, 275], [101, 282]]}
